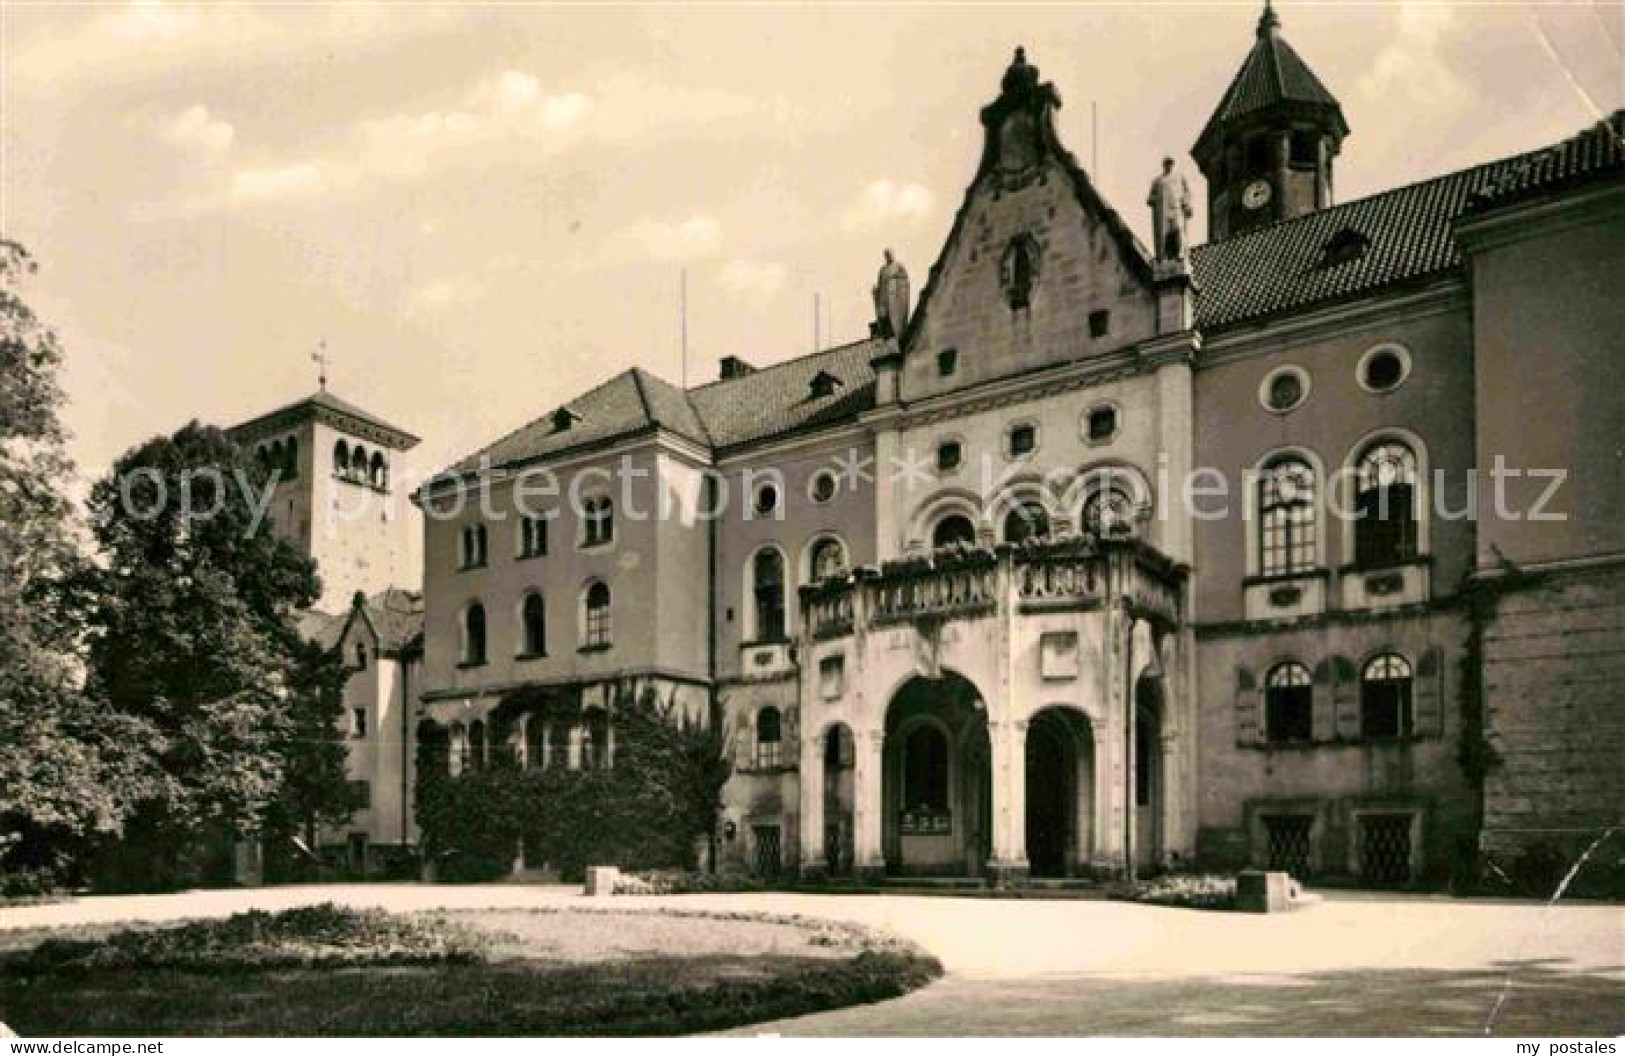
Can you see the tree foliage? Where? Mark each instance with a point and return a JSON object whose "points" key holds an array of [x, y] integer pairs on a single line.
{"points": [[647, 811], [193, 632], [68, 767]]}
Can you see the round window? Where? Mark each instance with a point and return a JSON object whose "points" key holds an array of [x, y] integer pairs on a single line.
{"points": [[1384, 368], [1284, 389], [823, 486], [767, 498]]}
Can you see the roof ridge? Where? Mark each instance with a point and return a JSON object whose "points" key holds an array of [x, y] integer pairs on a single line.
{"points": [[641, 376], [792, 361], [510, 434]]}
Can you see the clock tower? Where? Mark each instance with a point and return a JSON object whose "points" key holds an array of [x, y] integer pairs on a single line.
{"points": [[1267, 150]]}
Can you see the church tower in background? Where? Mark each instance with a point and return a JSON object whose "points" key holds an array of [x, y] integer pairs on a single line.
{"points": [[1267, 151], [334, 498]]}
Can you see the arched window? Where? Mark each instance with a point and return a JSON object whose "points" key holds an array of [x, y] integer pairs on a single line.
{"points": [[767, 588], [1027, 521], [474, 634], [953, 530], [1385, 697], [533, 618], [476, 745], [290, 459], [595, 631], [358, 464], [1286, 518], [828, 560], [1288, 704], [1107, 512], [925, 770], [341, 459], [599, 521], [379, 470], [1385, 505], [769, 731]]}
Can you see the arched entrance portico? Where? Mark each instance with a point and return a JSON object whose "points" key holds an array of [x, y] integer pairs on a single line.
{"points": [[936, 779], [1060, 792]]}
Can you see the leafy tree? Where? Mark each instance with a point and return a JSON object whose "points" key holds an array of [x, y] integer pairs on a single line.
{"points": [[193, 632], [67, 766], [314, 788]]}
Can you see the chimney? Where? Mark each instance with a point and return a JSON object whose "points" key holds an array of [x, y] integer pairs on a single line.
{"points": [[734, 367]]}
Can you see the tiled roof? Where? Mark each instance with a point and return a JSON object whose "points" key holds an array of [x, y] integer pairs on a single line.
{"points": [[396, 617], [326, 401], [631, 401], [1596, 151], [1408, 232], [766, 403], [778, 400], [1271, 75]]}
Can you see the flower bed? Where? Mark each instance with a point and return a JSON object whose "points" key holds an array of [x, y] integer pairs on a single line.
{"points": [[1187, 890], [313, 936]]}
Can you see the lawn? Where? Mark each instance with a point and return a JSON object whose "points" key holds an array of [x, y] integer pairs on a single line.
{"points": [[470, 973]]}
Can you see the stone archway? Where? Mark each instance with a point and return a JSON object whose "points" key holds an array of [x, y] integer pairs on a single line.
{"points": [[937, 779], [1059, 792]]}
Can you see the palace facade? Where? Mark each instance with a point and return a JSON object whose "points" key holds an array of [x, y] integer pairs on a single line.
{"points": [[1302, 548]]}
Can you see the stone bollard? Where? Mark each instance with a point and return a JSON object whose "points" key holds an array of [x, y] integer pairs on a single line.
{"points": [[1263, 892], [601, 879]]}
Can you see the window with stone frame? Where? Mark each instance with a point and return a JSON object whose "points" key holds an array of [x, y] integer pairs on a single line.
{"points": [[1385, 698], [1385, 530], [767, 589], [533, 620], [598, 521], [769, 738], [1026, 522], [474, 635], [595, 630], [1289, 704], [532, 537], [1286, 518]]}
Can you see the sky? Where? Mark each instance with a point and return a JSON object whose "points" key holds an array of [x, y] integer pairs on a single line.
{"points": [[484, 209]]}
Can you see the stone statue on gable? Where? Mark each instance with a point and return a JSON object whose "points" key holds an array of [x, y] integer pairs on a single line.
{"points": [[891, 299], [1170, 203]]}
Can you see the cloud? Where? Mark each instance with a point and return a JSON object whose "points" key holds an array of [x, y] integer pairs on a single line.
{"points": [[195, 129], [1412, 65], [758, 279], [698, 236], [441, 294], [274, 184], [508, 109], [884, 202]]}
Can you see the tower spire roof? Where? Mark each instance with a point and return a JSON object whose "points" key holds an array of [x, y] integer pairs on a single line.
{"points": [[1272, 78]]}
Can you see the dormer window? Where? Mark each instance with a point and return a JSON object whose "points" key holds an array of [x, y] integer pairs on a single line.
{"points": [[824, 384], [1345, 246], [563, 419]]}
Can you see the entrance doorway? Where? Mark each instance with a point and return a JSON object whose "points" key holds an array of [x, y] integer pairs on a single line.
{"points": [[1060, 786], [936, 779]]}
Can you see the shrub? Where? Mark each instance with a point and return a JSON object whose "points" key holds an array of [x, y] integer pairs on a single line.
{"points": [[324, 935], [683, 882], [1188, 890]]}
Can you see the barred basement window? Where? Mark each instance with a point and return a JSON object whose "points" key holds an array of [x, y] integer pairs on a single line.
{"points": [[1385, 849], [1286, 838]]}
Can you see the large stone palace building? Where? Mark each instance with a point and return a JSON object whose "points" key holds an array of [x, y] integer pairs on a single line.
{"points": [[1304, 547]]}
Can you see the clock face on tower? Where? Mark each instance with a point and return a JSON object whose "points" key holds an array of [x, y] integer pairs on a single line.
{"points": [[1256, 194]]}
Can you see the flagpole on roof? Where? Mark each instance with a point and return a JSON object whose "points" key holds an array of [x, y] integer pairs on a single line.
{"points": [[682, 319]]}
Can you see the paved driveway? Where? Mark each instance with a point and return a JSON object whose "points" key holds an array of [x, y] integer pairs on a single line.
{"points": [[1352, 965]]}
